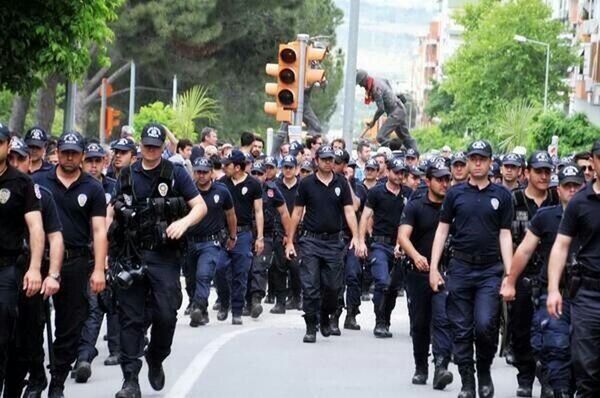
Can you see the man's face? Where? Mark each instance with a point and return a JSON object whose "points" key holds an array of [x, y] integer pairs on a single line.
{"points": [[365, 153], [211, 139], [478, 165], [588, 169], [339, 167], [122, 158], [53, 158], [382, 166], [337, 145], [19, 162], [412, 181], [230, 169], [289, 172], [539, 178], [459, 171], [257, 148], [349, 172], [326, 165], [566, 191], [510, 172], [36, 153], [371, 174], [186, 152], [4, 150], [396, 177], [411, 161], [94, 166], [285, 150], [596, 164], [271, 172], [202, 177], [260, 176], [151, 153], [304, 173], [438, 186], [69, 161], [307, 155]]}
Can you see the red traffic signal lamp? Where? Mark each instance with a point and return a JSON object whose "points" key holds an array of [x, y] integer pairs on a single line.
{"points": [[285, 90]]}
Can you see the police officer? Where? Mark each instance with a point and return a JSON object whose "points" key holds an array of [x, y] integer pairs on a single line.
{"points": [[36, 140], [324, 198], [511, 171], [81, 205], [306, 169], [580, 221], [481, 214], [19, 212], [204, 239], [148, 187], [27, 349], [124, 153], [275, 212], [427, 310], [371, 173], [247, 200], [93, 164], [411, 157], [380, 91], [288, 186], [526, 202], [458, 168], [385, 203], [550, 336]]}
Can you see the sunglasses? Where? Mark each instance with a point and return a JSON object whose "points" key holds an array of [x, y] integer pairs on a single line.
{"points": [[588, 168], [257, 173]]}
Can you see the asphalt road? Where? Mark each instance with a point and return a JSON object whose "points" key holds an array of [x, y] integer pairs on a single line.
{"points": [[266, 358]]}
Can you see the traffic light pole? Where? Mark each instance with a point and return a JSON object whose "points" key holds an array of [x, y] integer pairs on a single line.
{"points": [[350, 75], [303, 40], [102, 111]]}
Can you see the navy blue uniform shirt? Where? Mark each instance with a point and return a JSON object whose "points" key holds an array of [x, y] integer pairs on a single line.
{"points": [[423, 215], [45, 167], [289, 194], [478, 215], [324, 204], [76, 205], [217, 199], [581, 220], [272, 200], [244, 194], [108, 184], [49, 212], [387, 210], [18, 197]]}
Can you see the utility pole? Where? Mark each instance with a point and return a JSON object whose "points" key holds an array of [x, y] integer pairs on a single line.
{"points": [[302, 38], [350, 75], [69, 118], [102, 111], [131, 93]]}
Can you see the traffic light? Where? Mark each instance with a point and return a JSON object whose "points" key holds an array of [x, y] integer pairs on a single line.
{"points": [[112, 119], [314, 55], [285, 90]]}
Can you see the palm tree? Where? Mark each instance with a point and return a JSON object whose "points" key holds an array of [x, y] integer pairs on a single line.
{"points": [[192, 105], [513, 124]]}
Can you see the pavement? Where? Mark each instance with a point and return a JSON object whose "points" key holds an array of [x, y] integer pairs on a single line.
{"points": [[265, 358]]}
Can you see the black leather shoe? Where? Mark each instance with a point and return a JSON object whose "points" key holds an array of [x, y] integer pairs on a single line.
{"points": [[350, 321], [278, 308], [33, 392], [198, 317], [334, 322], [420, 377], [83, 372], [112, 360], [467, 377], [381, 331], [156, 374], [130, 389], [223, 314], [256, 309], [311, 329], [325, 325], [524, 391], [236, 320], [56, 392], [441, 378], [485, 384]]}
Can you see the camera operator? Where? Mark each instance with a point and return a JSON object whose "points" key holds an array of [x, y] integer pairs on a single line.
{"points": [[149, 209]]}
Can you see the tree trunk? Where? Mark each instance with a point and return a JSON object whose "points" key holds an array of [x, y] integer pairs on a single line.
{"points": [[20, 106], [46, 103]]}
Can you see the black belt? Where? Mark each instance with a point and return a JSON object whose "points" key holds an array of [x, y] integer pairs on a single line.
{"points": [[382, 239], [76, 252], [323, 236], [8, 261], [205, 238], [479, 260], [244, 228], [590, 283]]}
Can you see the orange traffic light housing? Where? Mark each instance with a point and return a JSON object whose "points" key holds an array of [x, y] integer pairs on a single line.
{"points": [[112, 118], [285, 90], [314, 75]]}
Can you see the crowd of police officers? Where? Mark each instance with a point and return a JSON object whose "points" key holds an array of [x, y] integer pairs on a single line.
{"points": [[483, 246]]}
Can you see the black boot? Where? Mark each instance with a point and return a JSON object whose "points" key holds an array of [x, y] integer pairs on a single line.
{"points": [[156, 374], [335, 323], [381, 331], [223, 313], [292, 303], [56, 388], [311, 329], [420, 376], [130, 389], [256, 309], [467, 376], [199, 314], [350, 322], [485, 386], [325, 324], [279, 307], [83, 371], [442, 376]]}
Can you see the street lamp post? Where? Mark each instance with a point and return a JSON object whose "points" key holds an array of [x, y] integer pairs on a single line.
{"points": [[523, 39]]}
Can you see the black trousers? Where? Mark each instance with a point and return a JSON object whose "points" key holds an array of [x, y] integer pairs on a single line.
{"points": [[520, 316], [159, 296], [258, 275], [279, 272], [71, 312], [10, 282], [322, 274], [26, 354]]}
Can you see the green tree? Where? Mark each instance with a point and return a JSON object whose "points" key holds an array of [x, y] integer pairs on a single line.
{"points": [[491, 69], [513, 125], [432, 137], [575, 132], [45, 36]]}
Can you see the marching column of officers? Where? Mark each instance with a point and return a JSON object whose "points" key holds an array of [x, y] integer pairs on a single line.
{"points": [[476, 252]]}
